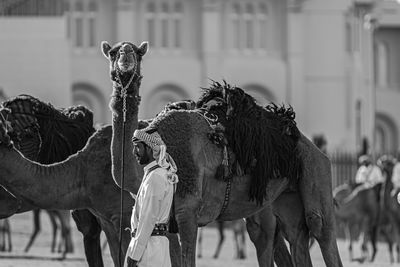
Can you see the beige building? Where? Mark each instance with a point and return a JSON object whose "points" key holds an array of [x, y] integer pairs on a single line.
{"points": [[337, 62]]}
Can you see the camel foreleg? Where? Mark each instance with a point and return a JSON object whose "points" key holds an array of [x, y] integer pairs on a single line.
{"points": [[261, 232], [220, 225], [90, 228], [36, 229], [186, 216]]}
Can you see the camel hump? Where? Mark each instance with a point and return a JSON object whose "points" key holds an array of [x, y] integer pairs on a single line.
{"points": [[56, 133]]}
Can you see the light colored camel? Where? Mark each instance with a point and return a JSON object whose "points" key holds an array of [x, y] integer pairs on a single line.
{"points": [[358, 211], [59, 219], [5, 235], [238, 228], [186, 136]]}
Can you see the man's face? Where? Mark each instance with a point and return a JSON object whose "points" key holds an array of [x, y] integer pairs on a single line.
{"points": [[143, 153]]}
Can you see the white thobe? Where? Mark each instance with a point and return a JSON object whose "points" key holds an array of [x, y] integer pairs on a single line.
{"points": [[152, 206], [396, 176], [370, 175]]}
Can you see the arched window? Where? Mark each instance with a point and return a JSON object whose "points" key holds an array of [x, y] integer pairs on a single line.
{"points": [[381, 65], [161, 96], [386, 133], [262, 95], [90, 97]]}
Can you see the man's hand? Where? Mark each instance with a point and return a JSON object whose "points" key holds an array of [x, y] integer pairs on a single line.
{"points": [[131, 263]]}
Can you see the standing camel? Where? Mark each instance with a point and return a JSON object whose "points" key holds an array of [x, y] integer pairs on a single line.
{"points": [[186, 136], [358, 210], [5, 235], [82, 181], [239, 237], [46, 135], [58, 219], [390, 205]]}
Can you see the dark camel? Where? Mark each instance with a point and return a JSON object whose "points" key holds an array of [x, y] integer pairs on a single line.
{"points": [[204, 201]]}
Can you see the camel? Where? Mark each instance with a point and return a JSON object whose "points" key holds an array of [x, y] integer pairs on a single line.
{"points": [[58, 219], [200, 198], [238, 227], [389, 204], [358, 210], [79, 187], [82, 181], [45, 135]]}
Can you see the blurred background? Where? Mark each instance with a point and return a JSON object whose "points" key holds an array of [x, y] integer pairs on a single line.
{"points": [[336, 62]]}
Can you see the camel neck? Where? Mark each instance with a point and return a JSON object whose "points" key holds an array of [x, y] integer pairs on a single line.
{"points": [[123, 127], [40, 185]]}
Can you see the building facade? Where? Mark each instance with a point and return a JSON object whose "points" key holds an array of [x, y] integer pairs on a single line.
{"points": [[335, 61]]}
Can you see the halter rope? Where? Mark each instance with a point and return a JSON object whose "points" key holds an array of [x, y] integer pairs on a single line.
{"points": [[124, 96]]}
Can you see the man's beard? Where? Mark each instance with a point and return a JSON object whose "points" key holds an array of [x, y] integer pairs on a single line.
{"points": [[145, 159]]}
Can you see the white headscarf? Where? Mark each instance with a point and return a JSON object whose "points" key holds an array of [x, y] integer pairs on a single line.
{"points": [[163, 159]]}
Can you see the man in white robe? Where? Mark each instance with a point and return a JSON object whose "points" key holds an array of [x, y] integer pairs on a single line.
{"points": [[149, 247]]}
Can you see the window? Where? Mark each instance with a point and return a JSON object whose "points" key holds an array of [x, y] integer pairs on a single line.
{"points": [[381, 64], [248, 25], [79, 32], [164, 23], [92, 32], [32, 8], [83, 14]]}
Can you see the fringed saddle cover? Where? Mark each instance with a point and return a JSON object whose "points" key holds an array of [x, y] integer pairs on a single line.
{"points": [[46, 134], [263, 139]]}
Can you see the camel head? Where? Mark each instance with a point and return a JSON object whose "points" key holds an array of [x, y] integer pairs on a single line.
{"points": [[386, 163], [125, 60], [5, 127]]}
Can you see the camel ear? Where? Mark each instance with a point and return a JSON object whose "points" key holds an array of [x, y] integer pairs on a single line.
{"points": [[143, 48], [105, 48]]}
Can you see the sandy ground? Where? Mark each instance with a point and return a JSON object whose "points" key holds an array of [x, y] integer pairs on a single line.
{"points": [[40, 255]]}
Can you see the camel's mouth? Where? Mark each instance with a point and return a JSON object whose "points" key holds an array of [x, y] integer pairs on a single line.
{"points": [[125, 67], [126, 61]]}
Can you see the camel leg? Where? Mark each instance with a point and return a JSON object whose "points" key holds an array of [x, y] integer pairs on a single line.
{"points": [[36, 228], [349, 237], [64, 217], [54, 225], [389, 241], [90, 228], [373, 233], [282, 256], [8, 231], [199, 243], [261, 229], [239, 230], [174, 250], [3, 235], [220, 226], [316, 191], [291, 221], [111, 229], [185, 212]]}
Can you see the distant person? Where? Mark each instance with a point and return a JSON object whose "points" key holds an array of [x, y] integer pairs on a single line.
{"points": [[368, 174], [396, 178], [321, 143]]}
